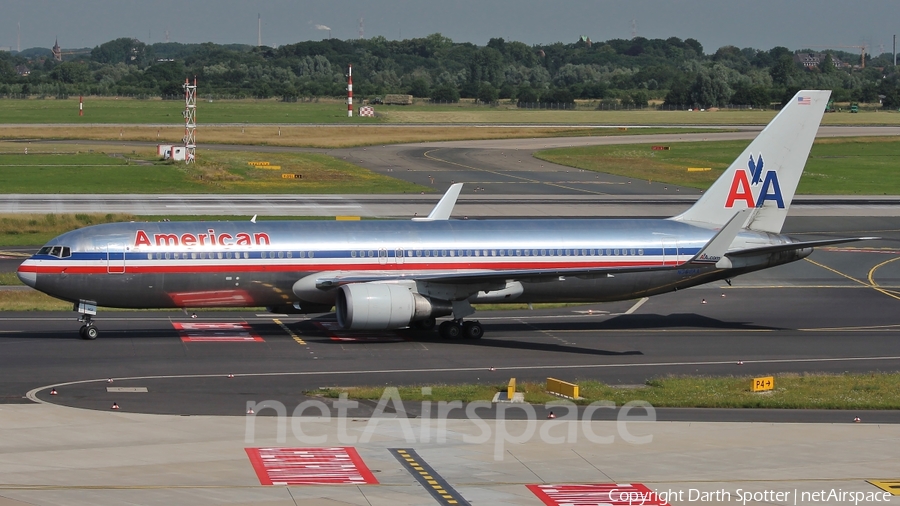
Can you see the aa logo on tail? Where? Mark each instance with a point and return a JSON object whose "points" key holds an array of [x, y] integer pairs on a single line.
{"points": [[755, 186]]}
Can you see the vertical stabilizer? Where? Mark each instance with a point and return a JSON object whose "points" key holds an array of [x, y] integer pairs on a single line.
{"points": [[765, 176]]}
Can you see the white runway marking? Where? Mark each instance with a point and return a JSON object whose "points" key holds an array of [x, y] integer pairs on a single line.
{"points": [[32, 394], [637, 305]]}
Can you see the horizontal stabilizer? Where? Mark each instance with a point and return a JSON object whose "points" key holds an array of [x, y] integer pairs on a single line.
{"points": [[444, 207], [795, 246]]}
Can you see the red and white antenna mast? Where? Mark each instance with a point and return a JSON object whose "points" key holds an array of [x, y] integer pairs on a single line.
{"points": [[190, 120], [349, 91]]}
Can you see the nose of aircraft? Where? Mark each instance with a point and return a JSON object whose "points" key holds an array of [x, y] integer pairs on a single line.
{"points": [[29, 278]]}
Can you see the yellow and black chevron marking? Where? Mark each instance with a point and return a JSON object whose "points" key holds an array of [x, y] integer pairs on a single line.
{"points": [[291, 333], [892, 486], [425, 475]]}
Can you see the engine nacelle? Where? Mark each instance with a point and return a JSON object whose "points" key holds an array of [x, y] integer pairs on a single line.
{"points": [[382, 306]]}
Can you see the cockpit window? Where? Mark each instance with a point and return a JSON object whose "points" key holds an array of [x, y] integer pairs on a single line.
{"points": [[56, 251]]}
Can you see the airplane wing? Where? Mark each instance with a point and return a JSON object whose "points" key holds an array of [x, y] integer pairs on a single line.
{"points": [[329, 280], [795, 246]]}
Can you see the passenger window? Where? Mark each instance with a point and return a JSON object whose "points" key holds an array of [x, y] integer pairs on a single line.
{"points": [[290, 254], [149, 256], [641, 252], [311, 254]]}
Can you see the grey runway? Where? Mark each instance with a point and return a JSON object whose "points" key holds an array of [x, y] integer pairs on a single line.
{"points": [[818, 315]]}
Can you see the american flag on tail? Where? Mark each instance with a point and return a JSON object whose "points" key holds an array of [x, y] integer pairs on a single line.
{"points": [[804, 100]]}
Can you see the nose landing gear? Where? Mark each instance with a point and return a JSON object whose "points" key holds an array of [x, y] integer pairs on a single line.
{"points": [[87, 310]]}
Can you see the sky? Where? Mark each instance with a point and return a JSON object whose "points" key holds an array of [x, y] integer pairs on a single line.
{"points": [[761, 24]]}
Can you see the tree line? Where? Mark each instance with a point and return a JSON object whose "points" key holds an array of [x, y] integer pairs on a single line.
{"points": [[625, 72]]}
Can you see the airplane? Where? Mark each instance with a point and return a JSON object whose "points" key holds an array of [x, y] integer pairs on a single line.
{"points": [[380, 275]]}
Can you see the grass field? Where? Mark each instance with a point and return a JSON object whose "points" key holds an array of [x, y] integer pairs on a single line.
{"points": [[334, 111], [313, 137], [512, 115], [836, 166], [156, 111], [43, 171], [815, 391]]}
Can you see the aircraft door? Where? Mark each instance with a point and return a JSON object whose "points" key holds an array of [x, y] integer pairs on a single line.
{"points": [[382, 256], [115, 258], [670, 250], [398, 255]]}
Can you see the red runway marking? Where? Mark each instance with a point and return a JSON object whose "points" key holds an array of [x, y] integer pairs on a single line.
{"points": [[310, 466], [216, 332], [595, 494]]}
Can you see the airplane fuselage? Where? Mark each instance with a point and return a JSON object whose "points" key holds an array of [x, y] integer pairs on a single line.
{"points": [[239, 264]]}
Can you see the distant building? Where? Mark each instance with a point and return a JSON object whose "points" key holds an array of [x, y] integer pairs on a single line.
{"points": [[57, 51], [22, 70], [811, 60]]}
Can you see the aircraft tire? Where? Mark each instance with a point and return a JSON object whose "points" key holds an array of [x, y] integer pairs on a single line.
{"points": [[81, 331], [91, 333], [472, 330], [450, 330]]}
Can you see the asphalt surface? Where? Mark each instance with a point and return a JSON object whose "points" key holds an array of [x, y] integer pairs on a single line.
{"points": [[835, 312]]}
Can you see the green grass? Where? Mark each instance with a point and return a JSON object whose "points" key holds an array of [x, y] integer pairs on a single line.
{"points": [[131, 111], [108, 110], [792, 391], [215, 172], [836, 166], [31, 300], [9, 279]]}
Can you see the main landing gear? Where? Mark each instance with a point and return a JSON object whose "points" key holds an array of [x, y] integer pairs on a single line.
{"points": [[457, 329]]}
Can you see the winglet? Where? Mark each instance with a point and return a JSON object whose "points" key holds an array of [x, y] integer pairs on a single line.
{"points": [[715, 249], [444, 207]]}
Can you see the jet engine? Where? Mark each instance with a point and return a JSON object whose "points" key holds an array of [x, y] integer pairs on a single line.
{"points": [[381, 306]]}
